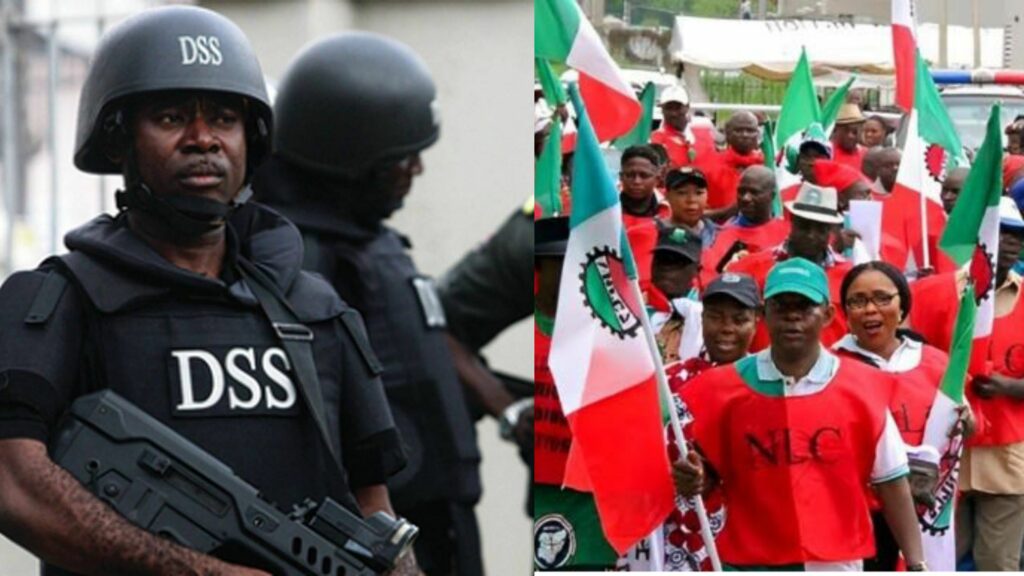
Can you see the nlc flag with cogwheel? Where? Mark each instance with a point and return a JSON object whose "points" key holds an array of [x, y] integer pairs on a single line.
{"points": [[603, 369]]}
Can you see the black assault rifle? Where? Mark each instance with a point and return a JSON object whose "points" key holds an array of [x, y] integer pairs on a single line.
{"points": [[165, 484]]}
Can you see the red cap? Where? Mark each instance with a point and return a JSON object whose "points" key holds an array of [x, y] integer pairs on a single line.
{"points": [[1011, 165], [831, 174]]}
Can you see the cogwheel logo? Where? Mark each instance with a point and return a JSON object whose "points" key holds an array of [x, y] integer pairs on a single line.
{"points": [[606, 291], [982, 273], [935, 158], [937, 519], [1014, 360]]}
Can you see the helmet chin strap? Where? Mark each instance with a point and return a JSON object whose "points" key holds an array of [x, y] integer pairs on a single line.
{"points": [[177, 217], [180, 217]]}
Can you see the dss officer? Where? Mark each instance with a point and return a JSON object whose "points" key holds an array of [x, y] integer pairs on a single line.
{"points": [[162, 304], [354, 111]]}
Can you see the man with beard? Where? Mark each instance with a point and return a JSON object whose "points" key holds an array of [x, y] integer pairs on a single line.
{"points": [[355, 112]]}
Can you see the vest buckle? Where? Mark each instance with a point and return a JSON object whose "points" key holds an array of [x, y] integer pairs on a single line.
{"points": [[298, 332]]}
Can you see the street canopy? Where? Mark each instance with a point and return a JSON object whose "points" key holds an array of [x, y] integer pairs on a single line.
{"points": [[770, 48]]}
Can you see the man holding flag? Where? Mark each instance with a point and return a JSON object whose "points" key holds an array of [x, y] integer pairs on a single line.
{"points": [[990, 521], [603, 362], [983, 237]]}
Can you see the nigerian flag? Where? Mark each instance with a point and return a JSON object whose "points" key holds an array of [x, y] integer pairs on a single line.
{"points": [[561, 33], [972, 232]]}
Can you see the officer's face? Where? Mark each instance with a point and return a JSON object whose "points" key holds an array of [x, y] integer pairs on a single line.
{"points": [[394, 180], [191, 143]]}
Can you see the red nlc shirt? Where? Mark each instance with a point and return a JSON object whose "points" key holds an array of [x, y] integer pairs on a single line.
{"points": [[723, 175], [1004, 415], [552, 436], [793, 469], [758, 265], [757, 238], [914, 392]]}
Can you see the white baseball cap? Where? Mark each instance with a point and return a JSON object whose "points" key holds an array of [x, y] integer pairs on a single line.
{"points": [[674, 94]]}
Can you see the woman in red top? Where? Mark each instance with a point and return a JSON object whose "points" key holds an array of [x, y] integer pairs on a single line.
{"points": [[876, 299]]}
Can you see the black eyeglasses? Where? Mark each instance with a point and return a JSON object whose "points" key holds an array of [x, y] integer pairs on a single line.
{"points": [[879, 299]]}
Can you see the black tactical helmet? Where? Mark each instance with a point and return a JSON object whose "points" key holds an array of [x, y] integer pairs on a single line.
{"points": [[169, 48], [353, 100]]}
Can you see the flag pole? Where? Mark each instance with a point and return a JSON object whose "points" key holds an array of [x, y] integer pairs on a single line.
{"points": [[677, 428], [924, 228]]}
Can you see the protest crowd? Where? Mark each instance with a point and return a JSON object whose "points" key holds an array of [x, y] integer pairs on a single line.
{"points": [[790, 341]]}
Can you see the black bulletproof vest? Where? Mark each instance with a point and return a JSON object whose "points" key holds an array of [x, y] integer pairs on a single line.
{"points": [[197, 362], [406, 326]]}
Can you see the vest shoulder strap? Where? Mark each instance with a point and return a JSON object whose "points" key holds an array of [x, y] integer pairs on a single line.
{"points": [[46, 300], [357, 331]]}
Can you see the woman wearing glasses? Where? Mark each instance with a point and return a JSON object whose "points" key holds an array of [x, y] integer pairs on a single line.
{"points": [[876, 299]]}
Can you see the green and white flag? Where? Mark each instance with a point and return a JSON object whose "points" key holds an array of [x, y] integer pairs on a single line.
{"points": [[972, 232], [936, 522], [768, 149], [547, 182], [800, 109]]}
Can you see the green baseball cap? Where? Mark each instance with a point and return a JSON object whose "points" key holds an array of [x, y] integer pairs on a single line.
{"points": [[797, 276]]}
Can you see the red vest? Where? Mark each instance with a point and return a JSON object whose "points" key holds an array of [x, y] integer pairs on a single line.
{"points": [[933, 313], [914, 392], [680, 153], [853, 160], [642, 233], [793, 469], [757, 238], [1005, 416], [552, 436], [723, 175], [758, 265]]}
